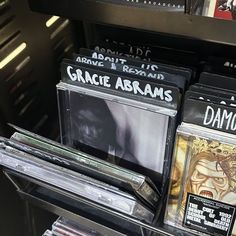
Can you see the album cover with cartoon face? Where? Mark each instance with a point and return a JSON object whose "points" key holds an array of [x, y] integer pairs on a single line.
{"points": [[203, 168]]}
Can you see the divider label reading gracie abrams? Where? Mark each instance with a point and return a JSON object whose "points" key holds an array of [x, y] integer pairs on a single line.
{"points": [[208, 216]]}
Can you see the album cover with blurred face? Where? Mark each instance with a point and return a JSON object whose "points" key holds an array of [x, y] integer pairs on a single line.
{"points": [[119, 133]]}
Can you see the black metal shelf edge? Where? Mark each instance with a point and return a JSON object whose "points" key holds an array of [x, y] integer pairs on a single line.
{"points": [[147, 19], [53, 207], [74, 207]]}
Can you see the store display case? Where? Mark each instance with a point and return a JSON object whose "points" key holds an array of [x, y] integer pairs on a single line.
{"points": [[144, 31]]}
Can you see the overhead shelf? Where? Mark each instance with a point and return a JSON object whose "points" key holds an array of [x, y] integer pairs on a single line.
{"points": [[148, 19]]}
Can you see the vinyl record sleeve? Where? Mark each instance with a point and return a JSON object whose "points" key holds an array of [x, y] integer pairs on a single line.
{"points": [[73, 182], [75, 160], [203, 167], [116, 130]]}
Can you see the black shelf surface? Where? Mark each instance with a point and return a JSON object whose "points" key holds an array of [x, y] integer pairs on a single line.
{"points": [[147, 19]]}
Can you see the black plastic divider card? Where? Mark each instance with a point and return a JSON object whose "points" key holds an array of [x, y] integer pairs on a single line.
{"points": [[173, 79], [108, 40], [221, 65], [220, 81], [214, 91], [154, 66], [210, 115], [161, 94], [209, 98]]}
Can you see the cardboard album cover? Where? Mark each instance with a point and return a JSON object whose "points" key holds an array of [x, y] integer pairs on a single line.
{"points": [[202, 193]]}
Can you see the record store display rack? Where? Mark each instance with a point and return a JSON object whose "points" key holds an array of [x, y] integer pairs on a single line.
{"points": [[161, 78]]}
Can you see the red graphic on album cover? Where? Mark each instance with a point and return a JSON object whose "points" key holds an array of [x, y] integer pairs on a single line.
{"points": [[225, 9]]}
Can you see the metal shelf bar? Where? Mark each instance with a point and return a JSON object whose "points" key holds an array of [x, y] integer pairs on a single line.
{"points": [[146, 19]]}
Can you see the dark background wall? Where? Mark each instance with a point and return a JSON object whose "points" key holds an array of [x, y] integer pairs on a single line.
{"points": [[28, 97]]}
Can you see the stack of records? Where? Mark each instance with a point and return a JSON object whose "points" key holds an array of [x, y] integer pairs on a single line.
{"points": [[202, 194], [97, 181], [121, 110]]}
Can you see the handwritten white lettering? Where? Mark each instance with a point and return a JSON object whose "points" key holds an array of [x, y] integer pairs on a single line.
{"points": [[220, 118]]}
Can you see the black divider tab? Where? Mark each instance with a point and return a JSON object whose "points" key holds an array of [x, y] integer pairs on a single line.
{"points": [[214, 91], [113, 83], [219, 81], [187, 73], [172, 79], [210, 115], [210, 98]]}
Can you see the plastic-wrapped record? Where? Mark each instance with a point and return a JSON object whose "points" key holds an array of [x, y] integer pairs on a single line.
{"points": [[75, 183], [59, 154]]}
